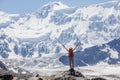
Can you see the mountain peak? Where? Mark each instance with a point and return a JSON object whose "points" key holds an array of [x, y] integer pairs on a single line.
{"points": [[109, 4], [56, 5], [52, 6]]}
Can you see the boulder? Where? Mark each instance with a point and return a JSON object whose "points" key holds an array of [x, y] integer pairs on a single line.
{"points": [[6, 77], [71, 74], [98, 78]]}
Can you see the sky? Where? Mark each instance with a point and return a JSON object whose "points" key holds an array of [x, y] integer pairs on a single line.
{"points": [[29, 6]]}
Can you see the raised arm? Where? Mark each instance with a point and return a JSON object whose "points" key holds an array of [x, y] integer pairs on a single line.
{"points": [[75, 47], [65, 48], [62, 44]]}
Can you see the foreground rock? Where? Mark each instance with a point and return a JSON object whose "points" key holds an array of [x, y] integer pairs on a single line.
{"points": [[6, 77], [69, 75], [63, 75]]}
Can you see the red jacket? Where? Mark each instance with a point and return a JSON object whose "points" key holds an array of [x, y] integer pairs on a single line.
{"points": [[71, 52]]}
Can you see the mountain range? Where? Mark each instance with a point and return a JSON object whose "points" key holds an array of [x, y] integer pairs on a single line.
{"points": [[32, 36]]}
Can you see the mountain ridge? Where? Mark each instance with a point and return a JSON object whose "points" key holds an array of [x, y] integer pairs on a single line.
{"points": [[33, 36]]}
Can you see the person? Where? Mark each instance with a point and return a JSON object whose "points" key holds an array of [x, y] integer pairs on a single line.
{"points": [[70, 55]]}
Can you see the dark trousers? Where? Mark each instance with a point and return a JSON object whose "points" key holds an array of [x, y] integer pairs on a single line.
{"points": [[71, 62]]}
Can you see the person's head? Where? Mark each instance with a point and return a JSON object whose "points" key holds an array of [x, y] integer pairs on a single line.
{"points": [[70, 49]]}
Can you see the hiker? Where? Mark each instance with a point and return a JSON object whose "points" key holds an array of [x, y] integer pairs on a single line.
{"points": [[71, 56]]}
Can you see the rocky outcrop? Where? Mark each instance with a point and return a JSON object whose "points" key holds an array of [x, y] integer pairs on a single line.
{"points": [[3, 66], [98, 78], [6, 77], [70, 75]]}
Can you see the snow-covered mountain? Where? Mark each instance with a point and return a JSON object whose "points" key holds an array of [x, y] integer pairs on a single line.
{"points": [[33, 35], [106, 53]]}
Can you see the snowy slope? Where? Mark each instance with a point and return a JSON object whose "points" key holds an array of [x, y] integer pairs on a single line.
{"points": [[30, 38], [108, 53]]}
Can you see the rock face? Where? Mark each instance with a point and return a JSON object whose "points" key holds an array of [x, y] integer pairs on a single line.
{"points": [[6, 77], [71, 74], [3, 66], [98, 79]]}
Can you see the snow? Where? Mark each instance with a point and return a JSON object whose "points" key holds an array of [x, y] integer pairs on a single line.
{"points": [[12, 53], [101, 70], [37, 27], [59, 5], [5, 17], [31, 27], [92, 25], [113, 53]]}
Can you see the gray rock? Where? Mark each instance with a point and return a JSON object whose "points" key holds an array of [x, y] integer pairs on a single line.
{"points": [[3, 66], [6, 77], [98, 78], [66, 75]]}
